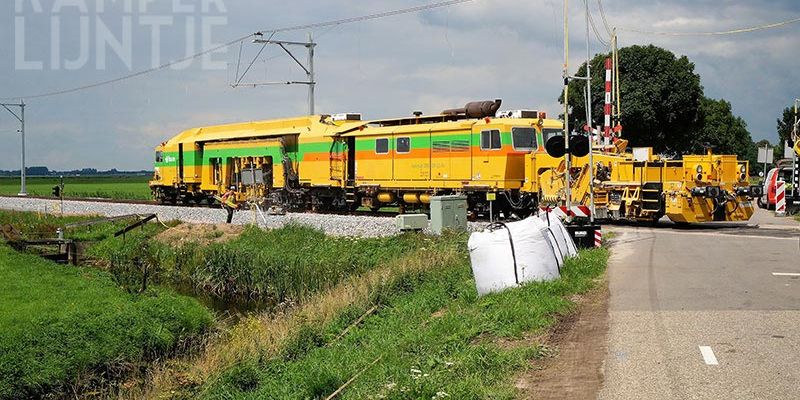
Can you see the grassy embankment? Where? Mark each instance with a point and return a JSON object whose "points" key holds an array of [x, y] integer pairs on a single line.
{"points": [[413, 328], [403, 310], [62, 327], [66, 330], [113, 187], [284, 266]]}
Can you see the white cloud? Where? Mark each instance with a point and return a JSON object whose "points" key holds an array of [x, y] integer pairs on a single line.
{"points": [[428, 61]]}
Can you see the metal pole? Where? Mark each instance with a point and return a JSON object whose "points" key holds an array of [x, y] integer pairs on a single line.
{"points": [[61, 194], [567, 188], [23, 189], [795, 165], [589, 117], [794, 134], [312, 83], [21, 118], [308, 69]]}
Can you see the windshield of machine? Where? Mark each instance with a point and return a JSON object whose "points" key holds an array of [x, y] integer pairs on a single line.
{"points": [[523, 138], [547, 133]]}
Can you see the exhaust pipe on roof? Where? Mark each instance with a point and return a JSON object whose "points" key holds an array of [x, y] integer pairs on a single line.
{"points": [[476, 109]]}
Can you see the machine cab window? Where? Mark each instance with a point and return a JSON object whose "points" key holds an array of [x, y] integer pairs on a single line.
{"points": [[547, 133], [404, 145], [382, 146], [159, 156], [523, 138], [490, 140]]}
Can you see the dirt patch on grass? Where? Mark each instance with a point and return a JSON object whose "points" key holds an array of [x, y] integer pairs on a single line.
{"points": [[200, 233], [578, 340]]}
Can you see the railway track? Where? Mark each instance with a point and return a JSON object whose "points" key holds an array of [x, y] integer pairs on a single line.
{"points": [[363, 213], [86, 199]]}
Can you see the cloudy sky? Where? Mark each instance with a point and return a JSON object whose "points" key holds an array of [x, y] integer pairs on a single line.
{"points": [[426, 61]]}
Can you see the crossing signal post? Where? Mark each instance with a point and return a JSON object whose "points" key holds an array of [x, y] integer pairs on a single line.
{"points": [[491, 197], [58, 192]]}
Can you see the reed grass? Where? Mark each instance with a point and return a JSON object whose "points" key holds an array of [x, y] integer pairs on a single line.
{"points": [[282, 266]]}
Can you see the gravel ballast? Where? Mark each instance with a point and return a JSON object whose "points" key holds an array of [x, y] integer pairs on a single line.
{"points": [[332, 224]]}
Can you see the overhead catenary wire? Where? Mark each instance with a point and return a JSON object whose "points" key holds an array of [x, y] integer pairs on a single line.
{"points": [[239, 78], [605, 20], [597, 34], [129, 76], [384, 14], [350, 20], [714, 33]]}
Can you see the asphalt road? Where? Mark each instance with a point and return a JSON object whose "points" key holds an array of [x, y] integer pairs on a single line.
{"points": [[700, 314]]}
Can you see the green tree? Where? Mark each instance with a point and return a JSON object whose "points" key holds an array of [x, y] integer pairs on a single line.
{"points": [[660, 95], [785, 124], [719, 128], [724, 132]]}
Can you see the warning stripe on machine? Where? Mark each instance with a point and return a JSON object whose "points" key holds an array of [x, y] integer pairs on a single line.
{"points": [[575, 211]]}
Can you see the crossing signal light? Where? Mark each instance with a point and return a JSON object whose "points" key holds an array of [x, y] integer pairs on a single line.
{"points": [[57, 191], [578, 146], [555, 146]]}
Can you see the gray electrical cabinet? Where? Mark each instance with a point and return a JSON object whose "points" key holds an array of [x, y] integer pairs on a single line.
{"points": [[448, 212]]}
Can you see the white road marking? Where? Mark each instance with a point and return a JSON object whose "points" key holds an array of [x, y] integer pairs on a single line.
{"points": [[706, 233], [785, 274], [708, 355]]}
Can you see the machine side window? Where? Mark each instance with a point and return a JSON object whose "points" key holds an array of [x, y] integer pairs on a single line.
{"points": [[159, 156], [490, 140], [404, 145], [523, 139], [547, 133], [382, 146], [216, 164]]}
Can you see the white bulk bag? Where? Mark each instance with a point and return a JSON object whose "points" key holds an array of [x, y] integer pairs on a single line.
{"points": [[565, 245], [496, 266]]}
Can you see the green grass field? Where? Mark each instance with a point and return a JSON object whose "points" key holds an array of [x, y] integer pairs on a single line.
{"points": [[430, 338], [61, 325], [113, 187]]}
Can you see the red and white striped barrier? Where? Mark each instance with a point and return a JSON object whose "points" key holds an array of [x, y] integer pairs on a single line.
{"points": [[561, 211], [598, 238], [780, 199]]}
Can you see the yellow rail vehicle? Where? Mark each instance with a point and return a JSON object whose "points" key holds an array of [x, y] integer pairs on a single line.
{"points": [[255, 157], [340, 162], [640, 186]]}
